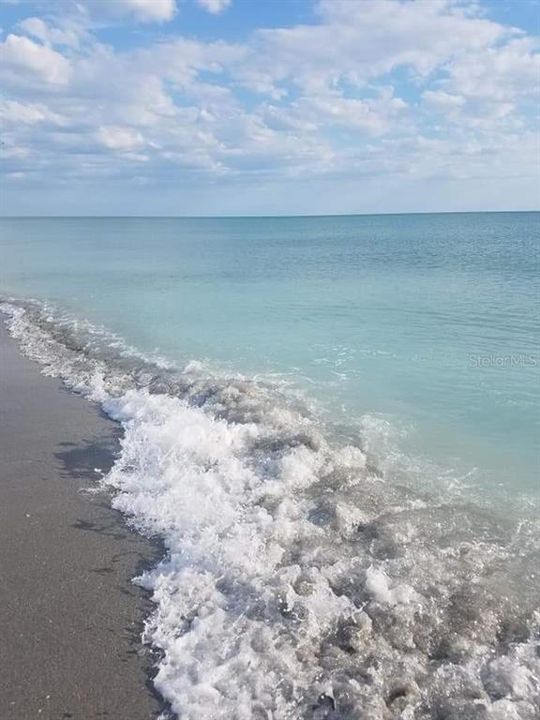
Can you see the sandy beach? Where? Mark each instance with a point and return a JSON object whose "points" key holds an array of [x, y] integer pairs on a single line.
{"points": [[71, 619]]}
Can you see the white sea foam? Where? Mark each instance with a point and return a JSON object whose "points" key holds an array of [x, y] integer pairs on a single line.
{"points": [[299, 582]]}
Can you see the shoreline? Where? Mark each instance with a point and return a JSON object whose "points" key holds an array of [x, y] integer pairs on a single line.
{"points": [[71, 618], [333, 564]]}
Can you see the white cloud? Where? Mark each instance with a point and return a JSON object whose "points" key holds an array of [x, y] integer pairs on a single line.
{"points": [[120, 138], [370, 38], [141, 10], [147, 10], [21, 55], [214, 6], [36, 27], [330, 108], [499, 73], [442, 100], [15, 112], [484, 89]]}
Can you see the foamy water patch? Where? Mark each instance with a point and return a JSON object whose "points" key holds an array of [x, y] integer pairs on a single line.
{"points": [[299, 582]]}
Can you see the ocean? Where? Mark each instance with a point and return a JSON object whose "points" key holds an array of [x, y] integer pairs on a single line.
{"points": [[333, 423]]}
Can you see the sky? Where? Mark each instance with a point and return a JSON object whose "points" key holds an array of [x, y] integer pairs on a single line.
{"points": [[268, 107]]}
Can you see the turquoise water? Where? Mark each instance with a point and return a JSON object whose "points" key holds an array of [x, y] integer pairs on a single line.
{"points": [[339, 454], [427, 323]]}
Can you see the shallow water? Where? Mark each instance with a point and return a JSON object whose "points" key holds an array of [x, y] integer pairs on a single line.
{"points": [[429, 322], [301, 580], [325, 559]]}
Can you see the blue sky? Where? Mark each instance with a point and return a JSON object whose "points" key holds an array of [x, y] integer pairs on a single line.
{"points": [[213, 107]]}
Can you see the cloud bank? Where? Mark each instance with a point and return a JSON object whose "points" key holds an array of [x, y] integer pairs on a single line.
{"points": [[365, 101]]}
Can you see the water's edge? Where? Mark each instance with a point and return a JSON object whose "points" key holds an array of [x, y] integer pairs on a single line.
{"points": [[58, 532], [298, 582]]}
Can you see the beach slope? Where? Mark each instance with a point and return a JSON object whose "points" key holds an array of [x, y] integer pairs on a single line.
{"points": [[70, 617]]}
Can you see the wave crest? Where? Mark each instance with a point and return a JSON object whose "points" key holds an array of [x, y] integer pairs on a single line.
{"points": [[300, 582]]}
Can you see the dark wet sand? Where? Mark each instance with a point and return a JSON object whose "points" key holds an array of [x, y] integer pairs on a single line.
{"points": [[70, 619]]}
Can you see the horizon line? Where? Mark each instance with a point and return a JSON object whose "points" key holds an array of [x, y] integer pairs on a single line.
{"points": [[254, 216]]}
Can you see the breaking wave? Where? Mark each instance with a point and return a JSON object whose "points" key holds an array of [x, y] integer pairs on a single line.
{"points": [[300, 582]]}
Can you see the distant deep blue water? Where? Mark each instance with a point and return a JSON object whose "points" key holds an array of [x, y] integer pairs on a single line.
{"points": [[426, 324]]}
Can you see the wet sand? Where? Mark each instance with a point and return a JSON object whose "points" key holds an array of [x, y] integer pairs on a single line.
{"points": [[70, 619]]}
